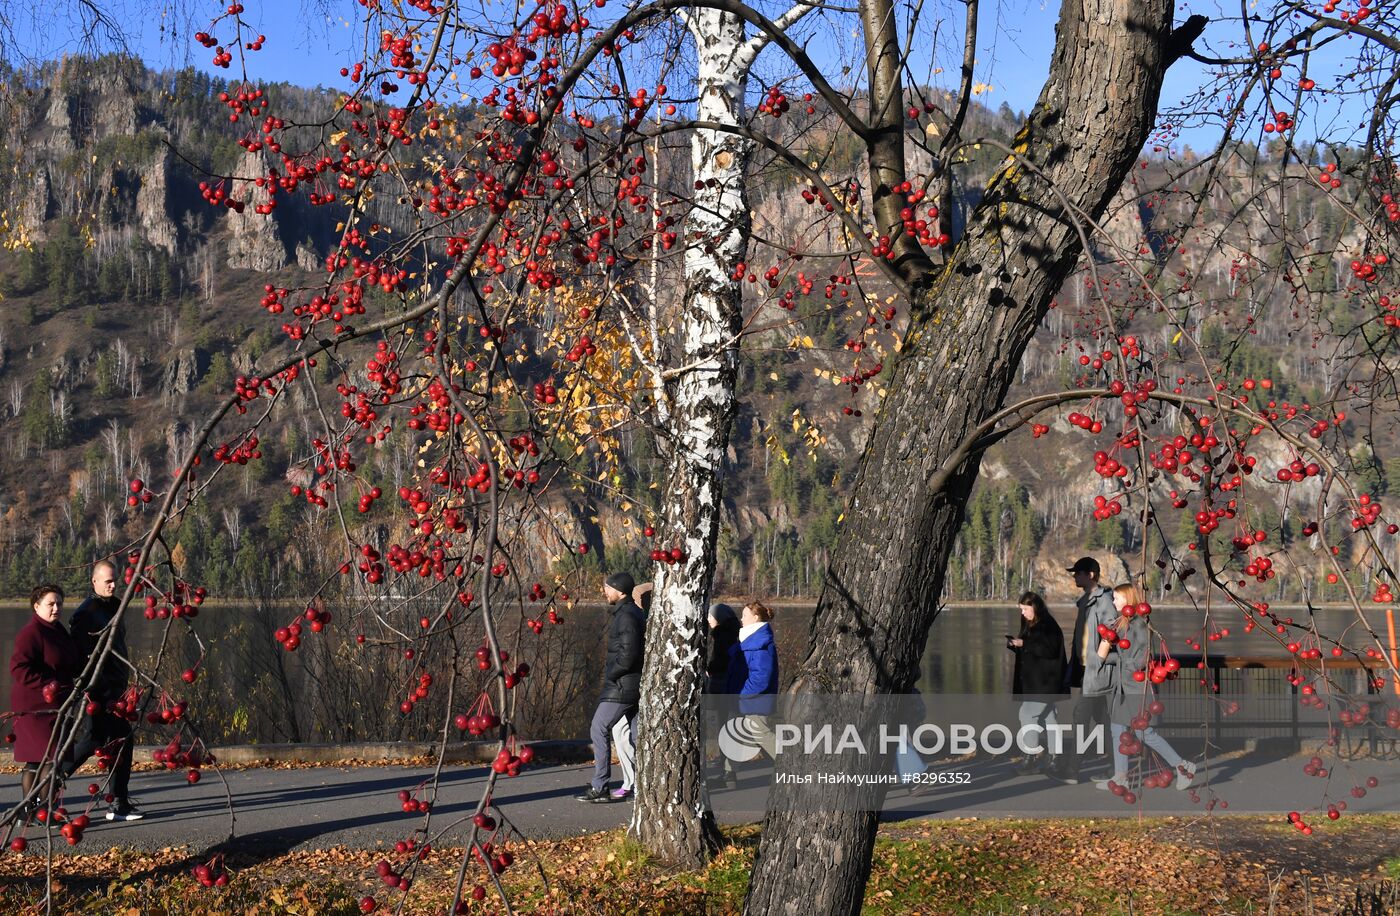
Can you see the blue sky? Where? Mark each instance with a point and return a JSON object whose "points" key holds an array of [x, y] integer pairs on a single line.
{"points": [[307, 47]]}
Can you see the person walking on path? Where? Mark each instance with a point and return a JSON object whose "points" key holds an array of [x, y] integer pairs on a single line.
{"points": [[624, 733], [1126, 653], [42, 669], [622, 680], [753, 676], [1087, 670], [1039, 674], [104, 731]]}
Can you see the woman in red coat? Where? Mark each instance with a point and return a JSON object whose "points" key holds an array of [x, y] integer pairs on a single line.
{"points": [[41, 675]]}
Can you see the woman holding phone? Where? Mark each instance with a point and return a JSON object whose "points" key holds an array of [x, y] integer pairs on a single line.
{"points": [[1039, 674]]}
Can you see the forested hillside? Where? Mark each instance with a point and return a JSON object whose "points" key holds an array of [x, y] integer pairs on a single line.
{"points": [[130, 305]]}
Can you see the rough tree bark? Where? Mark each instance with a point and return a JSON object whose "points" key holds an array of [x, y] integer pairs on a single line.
{"points": [[969, 327]]}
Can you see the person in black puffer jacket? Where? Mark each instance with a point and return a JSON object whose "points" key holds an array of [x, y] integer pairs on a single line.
{"points": [[1039, 673], [622, 680], [624, 732], [724, 635]]}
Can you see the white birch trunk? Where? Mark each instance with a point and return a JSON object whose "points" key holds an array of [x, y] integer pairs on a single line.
{"points": [[669, 816]]}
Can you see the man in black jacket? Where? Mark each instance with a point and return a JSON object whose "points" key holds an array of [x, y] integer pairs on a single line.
{"points": [[622, 680], [104, 728]]}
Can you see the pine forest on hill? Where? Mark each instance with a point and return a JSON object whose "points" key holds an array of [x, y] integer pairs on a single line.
{"points": [[129, 306]]}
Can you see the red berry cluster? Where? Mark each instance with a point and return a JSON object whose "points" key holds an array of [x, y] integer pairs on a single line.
{"points": [[175, 756], [212, 873], [367, 499], [1283, 121], [1392, 207], [139, 493], [169, 711], [1106, 508], [382, 370], [1327, 177], [245, 100], [483, 663], [290, 635], [581, 350], [775, 103], [274, 299], [861, 377], [420, 692], [553, 24], [1085, 422], [245, 451], [481, 718], [1297, 471], [1368, 512], [669, 557], [1363, 10], [216, 196], [1364, 268], [413, 805], [537, 626], [924, 229], [1207, 520]]}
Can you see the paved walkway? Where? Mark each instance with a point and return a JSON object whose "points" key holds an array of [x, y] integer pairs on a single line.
{"points": [[281, 810]]}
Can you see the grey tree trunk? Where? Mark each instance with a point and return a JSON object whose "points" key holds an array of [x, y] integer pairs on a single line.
{"points": [[969, 328]]}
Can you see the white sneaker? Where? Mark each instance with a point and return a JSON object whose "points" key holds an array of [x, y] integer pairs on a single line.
{"points": [[1120, 779], [1185, 775], [124, 809]]}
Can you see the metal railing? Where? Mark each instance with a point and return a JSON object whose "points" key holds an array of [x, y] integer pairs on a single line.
{"points": [[1269, 691]]}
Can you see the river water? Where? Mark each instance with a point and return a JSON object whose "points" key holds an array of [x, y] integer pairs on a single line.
{"points": [[965, 654]]}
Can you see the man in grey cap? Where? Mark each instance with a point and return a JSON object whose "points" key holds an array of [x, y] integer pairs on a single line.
{"points": [[622, 680], [1086, 670]]}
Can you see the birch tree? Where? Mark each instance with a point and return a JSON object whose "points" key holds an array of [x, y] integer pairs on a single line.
{"points": [[696, 404]]}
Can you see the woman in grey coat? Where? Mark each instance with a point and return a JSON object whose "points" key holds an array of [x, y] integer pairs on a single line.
{"points": [[1126, 650]]}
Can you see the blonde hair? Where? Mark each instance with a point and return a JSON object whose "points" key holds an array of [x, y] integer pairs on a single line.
{"points": [[760, 610]]}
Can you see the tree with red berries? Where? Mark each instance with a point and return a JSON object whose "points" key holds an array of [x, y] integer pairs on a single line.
{"points": [[486, 310], [443, 324], [972, 321]]}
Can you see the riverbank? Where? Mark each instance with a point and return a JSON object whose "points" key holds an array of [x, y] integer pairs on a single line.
{"points": [[1169, 865]]}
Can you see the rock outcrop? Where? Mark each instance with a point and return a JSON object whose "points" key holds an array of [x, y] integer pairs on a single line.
{"points": [[59, 121], [152, 203], [34, 203], [181, 373], [255, 240], [307, 259]]}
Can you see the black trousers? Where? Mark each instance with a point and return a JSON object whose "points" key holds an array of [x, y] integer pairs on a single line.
{"points": [[1088, 712], [113, 732]]}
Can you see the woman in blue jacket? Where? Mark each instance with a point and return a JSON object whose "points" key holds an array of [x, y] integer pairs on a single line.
{"points": [[753, 675]]}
